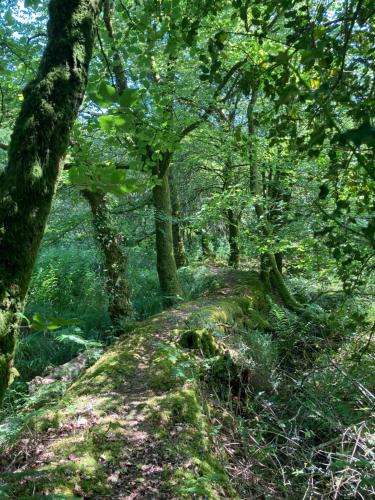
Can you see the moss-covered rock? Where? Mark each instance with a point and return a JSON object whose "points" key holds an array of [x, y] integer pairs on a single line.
{"points": [[219, 332], [201, 340]]}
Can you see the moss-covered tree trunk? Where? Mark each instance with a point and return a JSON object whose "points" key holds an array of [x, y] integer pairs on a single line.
{"points": [[280, 195], [270, 271], [165, 260], [115, 260], [178, 240], [39, 141], [207, 252], [233, 233]]}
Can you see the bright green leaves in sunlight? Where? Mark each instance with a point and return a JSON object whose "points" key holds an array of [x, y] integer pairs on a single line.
{"points": [[109, 122], [128, 97], [106, 95], [120, 113]]}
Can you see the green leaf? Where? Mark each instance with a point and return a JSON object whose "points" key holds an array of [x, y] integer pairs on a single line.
{"points": [[107, 179], [128, 97], [76, 339], [107, 93], [9, 17], [107, 122]]}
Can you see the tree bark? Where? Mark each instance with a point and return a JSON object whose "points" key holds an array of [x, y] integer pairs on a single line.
{"points": [[39, 141], [165, 260], [280, 197], [178, 240], [115, 260], [279, 261], [118, 65], [270, 272], [234, 249], [207, 252]]}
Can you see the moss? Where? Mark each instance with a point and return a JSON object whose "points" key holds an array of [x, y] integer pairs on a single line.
{"points": [[200, 340], [232, 321], [170, 367], [8, 336], [84, 458], [182, 426], [180, 423], [116, 365], [108, 374], [40, 423], [170, 411], [250, 311]]}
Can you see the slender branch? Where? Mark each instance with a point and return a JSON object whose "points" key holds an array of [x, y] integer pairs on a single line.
{"points": [[37, 35], [105, 58], [220, 87], [346, 43]]}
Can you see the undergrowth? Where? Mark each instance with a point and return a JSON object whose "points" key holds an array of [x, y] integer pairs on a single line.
{"points": [[296, 420], [309, 433]]}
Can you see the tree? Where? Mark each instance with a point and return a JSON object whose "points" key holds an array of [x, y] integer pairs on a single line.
{"points": [[115, 261], [39, 141], [177, 231]]}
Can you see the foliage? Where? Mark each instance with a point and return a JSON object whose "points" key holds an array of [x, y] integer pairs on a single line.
{"points": [[263, 112]]}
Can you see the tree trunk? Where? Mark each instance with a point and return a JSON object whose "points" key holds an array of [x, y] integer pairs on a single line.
{"points": [[270, 272], [178, 241], [205, 245], [279, 261], [280, 196], [234, 252], [118, 65], [165, 260], [116, 262], [39, 141]]}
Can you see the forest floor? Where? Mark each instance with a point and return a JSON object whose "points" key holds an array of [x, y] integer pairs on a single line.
{"points": [[132, 426]]}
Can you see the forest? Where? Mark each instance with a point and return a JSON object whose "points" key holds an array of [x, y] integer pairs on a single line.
{"points": [[187, 249]]}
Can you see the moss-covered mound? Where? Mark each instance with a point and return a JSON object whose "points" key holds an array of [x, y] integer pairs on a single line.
{"points": [[135, 422]]}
